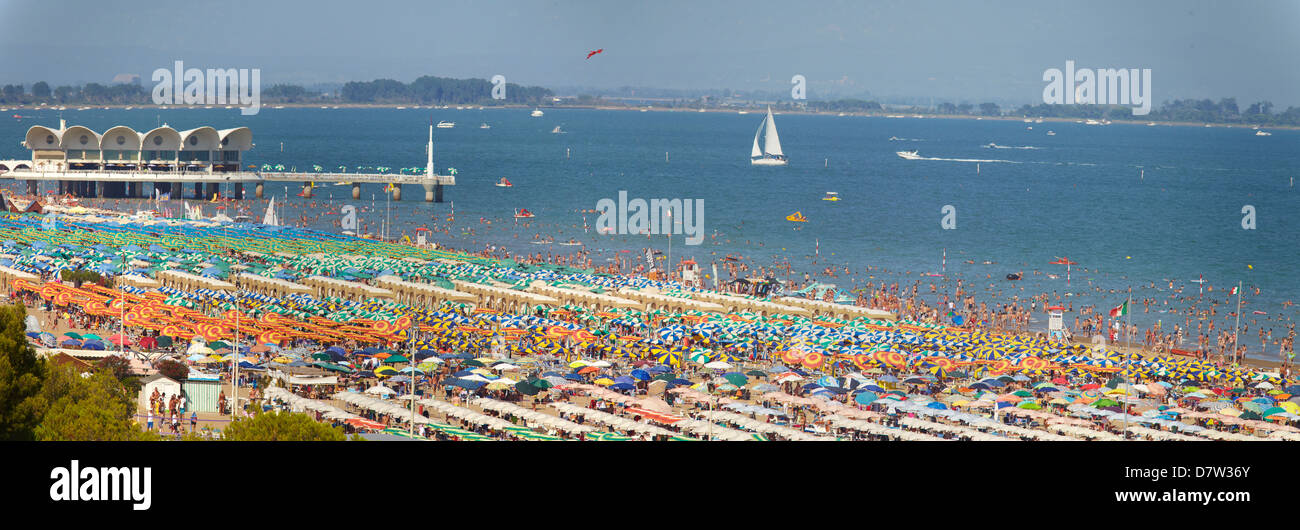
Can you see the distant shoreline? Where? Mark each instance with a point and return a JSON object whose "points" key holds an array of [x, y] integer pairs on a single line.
{"points": [[901, 114]]}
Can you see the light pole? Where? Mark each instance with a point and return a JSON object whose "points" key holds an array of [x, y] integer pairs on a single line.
{"points": [[414, 326]]}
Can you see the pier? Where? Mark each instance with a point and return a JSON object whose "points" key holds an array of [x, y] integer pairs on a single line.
{"points": [[118, 162], [129, 184]]}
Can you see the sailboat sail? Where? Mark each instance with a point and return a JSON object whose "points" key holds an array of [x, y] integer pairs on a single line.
{"points": [[271, 218], [756, 153], [772, 143]]}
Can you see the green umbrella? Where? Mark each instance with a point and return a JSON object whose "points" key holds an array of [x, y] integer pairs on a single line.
{"points": [[217, 345], [523, 387], [541, 384], [1031, 405], [1100, 403], [736, 379], [1022, 393], [472, 362], [394, 359]]}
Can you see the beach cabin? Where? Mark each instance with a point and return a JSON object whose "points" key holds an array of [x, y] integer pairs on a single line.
{"points": [[201, 392], [1056, 322], [690, 273], [165, 386]]}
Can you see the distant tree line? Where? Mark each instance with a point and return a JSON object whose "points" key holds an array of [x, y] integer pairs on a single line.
{"points": [[429, 90], [425, 90], [1179, 110]]}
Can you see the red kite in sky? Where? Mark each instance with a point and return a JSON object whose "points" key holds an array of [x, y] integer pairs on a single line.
{"points": [[589, 54]]}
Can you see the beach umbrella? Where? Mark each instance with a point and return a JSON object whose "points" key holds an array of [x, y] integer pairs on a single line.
{"points": [[736, 378]]}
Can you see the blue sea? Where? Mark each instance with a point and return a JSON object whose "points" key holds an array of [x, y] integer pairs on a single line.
{"points": [[1135, 206]]}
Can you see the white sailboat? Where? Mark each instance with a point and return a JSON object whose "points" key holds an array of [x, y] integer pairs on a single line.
{"points": [[770, 154], [271, 218]]}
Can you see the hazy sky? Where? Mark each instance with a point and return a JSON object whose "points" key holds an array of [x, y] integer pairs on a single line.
{"points": [[949, 50]]}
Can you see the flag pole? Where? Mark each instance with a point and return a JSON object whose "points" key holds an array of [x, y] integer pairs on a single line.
{"points": [[1129, 341], [1238, 325]]}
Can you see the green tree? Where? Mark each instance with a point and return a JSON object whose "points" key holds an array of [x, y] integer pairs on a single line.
{"points": [[22, 374], [283, 426], [41, 90], [96, 407], [173, 369]]}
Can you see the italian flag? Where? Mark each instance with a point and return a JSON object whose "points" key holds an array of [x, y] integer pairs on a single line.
{"points": [[1232, 292], [1120, 310]]}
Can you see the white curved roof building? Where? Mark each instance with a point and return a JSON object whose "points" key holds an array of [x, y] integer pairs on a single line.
{"points": [[123, 148]]}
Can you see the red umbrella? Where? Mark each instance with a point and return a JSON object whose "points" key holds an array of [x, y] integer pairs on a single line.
{"points": [[148, 342], [1060, 381], [117, 338], [1090, 386]]}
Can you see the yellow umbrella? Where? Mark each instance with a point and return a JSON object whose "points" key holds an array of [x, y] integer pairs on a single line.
{"points": [[481, 371], [1229, 411], [1290, 406], [960, 403], [498, 386], [1117, 391], [1059, 401], [604, 381], [577, 364], [283, 360]]}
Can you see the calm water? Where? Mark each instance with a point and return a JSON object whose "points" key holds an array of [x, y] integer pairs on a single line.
{"points": [[1077, 193]]}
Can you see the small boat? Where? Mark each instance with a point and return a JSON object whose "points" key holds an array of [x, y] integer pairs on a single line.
{"points": [[743, 112], [1263, 133], [537, 113], [571, 243], [557, 130], [523, 213], [446, 124], [484, 126], [504, 183], [933, 274], [831, 196], [796, 217], [1013, 277], [1051, 133], [909, 155]]}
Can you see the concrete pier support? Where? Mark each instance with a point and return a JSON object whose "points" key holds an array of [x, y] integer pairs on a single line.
{"points": [[213, 188], [33, 187], [356, 191], [306, 190], [437, 192], [198, 190], [428, 192], [260, 190], [397, 192], [239, 190]]}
